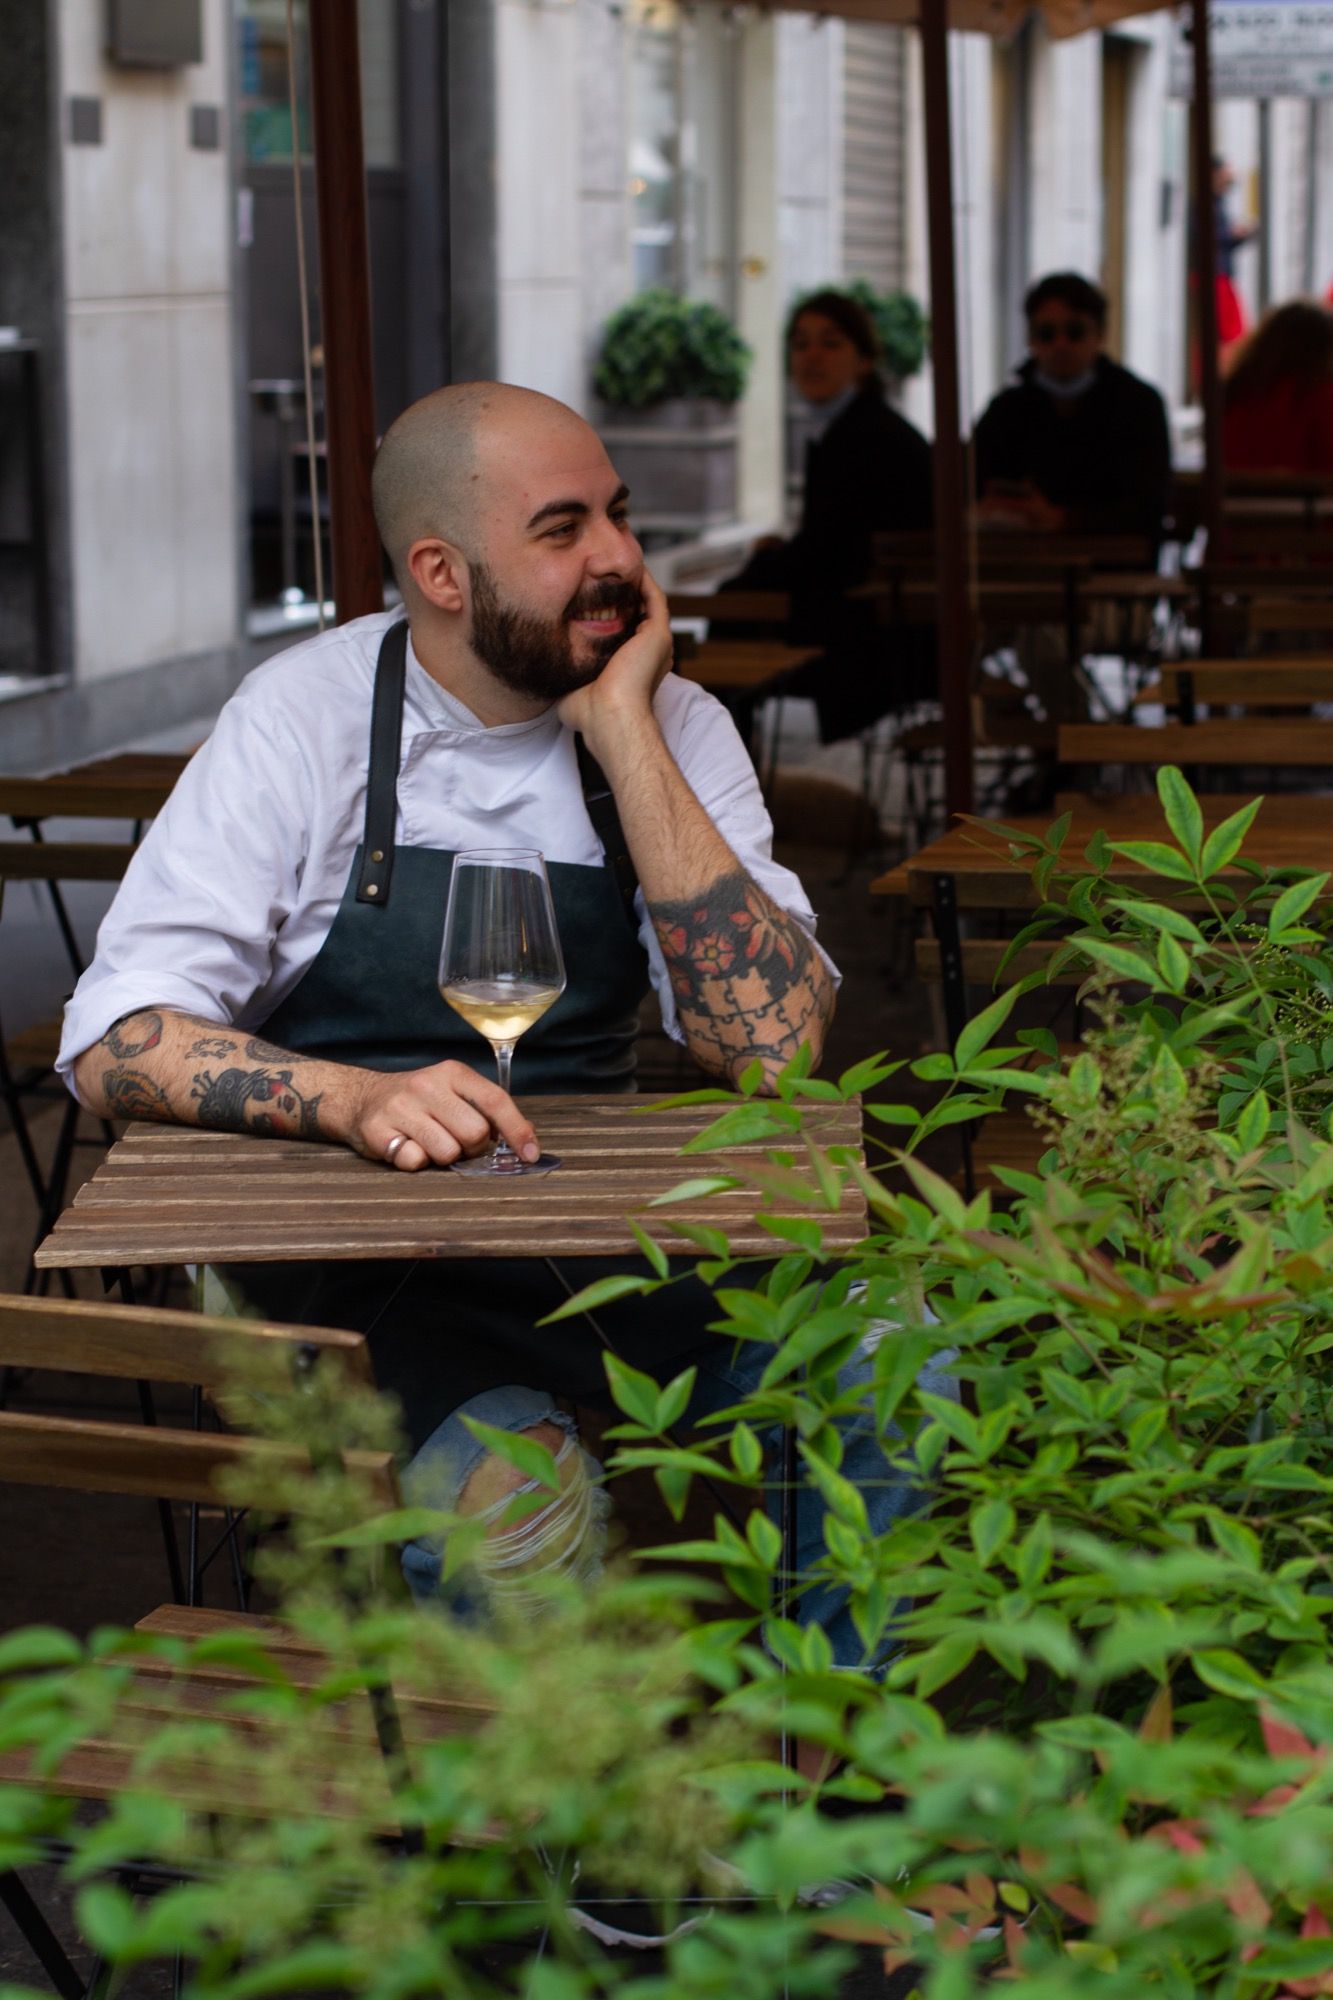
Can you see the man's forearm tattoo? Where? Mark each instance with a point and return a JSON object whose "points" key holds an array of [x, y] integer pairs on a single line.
{"points": [[134, 1035], [131, 1094], [259, 1092], [747, 980], [256, 1100]]}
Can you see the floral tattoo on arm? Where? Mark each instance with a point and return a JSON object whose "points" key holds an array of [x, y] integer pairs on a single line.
{"points": [[258, 1091], [747, 979]]}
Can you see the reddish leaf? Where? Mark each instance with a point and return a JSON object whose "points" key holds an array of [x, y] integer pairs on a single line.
{"points": [[1283, 1740], [1247, 1902], [1075, 1902], [1157, 1725]]}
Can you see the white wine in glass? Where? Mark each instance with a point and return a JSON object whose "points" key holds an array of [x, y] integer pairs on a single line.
{"points": [[500, 966]]}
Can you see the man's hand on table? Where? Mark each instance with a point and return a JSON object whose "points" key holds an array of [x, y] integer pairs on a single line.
{"points": [[178, 1069], [440, 1113]]}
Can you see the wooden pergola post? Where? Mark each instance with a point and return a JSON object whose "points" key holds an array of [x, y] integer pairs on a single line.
{"points": [[344, 289], [954, 622]]}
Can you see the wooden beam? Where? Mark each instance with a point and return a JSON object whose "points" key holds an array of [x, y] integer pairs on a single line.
{"points": [[953, 636], [344, 279]]}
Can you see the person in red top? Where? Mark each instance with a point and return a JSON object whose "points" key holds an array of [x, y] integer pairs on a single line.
{"points": [[1277, 399]]}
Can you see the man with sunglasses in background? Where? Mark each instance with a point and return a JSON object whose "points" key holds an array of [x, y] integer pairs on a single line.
{"points": [[1078, 444]]}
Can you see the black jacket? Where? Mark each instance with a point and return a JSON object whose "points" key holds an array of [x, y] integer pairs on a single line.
{"points": [[1104, 455], [870, 473]]}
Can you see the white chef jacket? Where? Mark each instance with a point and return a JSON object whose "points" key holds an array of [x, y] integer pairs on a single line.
{"points": [[236, 884]]}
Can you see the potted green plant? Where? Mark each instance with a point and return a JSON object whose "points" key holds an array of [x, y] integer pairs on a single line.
{"points": [[670, 372]]}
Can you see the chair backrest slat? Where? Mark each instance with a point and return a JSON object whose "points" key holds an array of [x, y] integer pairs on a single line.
{"points": [[64, 860], [152, 1460], [153, 1344]]}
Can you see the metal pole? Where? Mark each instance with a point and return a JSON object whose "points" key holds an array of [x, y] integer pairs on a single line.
{"points": [[1205, 239], [344, 278], [953, 628], [1266, 203]]}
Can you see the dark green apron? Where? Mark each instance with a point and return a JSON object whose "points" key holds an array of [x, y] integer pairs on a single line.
{"points": [[443, 1330]]}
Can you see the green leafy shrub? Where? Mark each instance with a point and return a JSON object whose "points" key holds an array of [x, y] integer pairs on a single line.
{"points": [[658, 345], [1098, 1763], [900, 324]]}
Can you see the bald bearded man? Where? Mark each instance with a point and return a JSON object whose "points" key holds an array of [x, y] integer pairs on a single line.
{"points": [[269, 964]]}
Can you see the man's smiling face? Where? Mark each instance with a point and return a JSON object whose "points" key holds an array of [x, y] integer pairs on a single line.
{"points": [[555, 583]]}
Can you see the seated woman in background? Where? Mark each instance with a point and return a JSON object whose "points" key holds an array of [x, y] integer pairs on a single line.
{"points": [[867, 471], [1277, 399]]}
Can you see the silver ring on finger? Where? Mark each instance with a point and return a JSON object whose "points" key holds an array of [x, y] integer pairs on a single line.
{"points": [[398, 1140]]}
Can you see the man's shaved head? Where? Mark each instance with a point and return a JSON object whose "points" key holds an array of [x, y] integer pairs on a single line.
{"points": [[429, 475]]}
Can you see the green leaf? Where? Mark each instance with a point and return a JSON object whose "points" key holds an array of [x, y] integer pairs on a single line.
{"points": [[983, 1028], [1118, 958], [106, 1918], [1224, 842], [405, 1524], [746, 1125], [798, 1229], [1172, 963], [1184, 814], [526, 1454], [1159, 917], [1228, 1673], [601, 1293], [865, 1075], [691, 1190], [674, 1400], [991, 1525], [747, 1454], [1157, 857], [945, 1200], [652, 1251], [635, 1393], [1294, 902], [38, 1646], [1254, 1120]]}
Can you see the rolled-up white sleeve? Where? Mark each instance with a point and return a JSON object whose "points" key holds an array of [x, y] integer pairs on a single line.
{"points": [[715, 764], [193, 925]]}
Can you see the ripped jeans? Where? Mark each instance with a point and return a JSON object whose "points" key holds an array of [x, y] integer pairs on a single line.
{"points": [[574, 1523]]}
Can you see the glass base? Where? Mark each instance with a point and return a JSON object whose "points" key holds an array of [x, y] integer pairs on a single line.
{"points": [[506, 1166]]}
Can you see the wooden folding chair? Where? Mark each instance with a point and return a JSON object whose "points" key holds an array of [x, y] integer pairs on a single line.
{"points": [[108, 1457], [28, 1059]]}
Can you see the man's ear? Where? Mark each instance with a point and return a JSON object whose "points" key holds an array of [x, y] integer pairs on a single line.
{"points": [[440, 573]]}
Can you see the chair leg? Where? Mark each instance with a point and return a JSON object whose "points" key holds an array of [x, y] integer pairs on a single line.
{"points": [[42, 1940], [54, 1198]]}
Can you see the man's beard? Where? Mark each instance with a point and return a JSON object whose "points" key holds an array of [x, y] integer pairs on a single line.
{"points": [[535, 656]]}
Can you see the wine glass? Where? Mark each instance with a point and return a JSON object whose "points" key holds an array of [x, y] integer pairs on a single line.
{"points": [[501, 966]]}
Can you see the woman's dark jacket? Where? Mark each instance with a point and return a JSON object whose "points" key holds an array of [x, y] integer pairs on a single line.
{"points": [[869, 474]]}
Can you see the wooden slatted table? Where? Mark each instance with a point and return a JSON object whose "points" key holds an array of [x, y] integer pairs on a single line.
{"points": [[1268, 681], [743, 666], [131, 785], [1290, 832], [174, 1194], [1220, 741]]}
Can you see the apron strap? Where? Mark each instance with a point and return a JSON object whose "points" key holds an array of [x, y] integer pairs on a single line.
{"points": [[386, 738], [381, 824], [601, 803]]}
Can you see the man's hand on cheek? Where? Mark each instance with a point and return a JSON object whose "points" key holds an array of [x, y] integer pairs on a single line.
{"points": [[622, 694]]}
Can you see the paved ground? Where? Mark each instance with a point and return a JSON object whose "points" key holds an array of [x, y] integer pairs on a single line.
{"points": [[73, 1561]]}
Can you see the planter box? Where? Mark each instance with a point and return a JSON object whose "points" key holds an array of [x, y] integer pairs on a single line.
{"points": [[679, 460]]}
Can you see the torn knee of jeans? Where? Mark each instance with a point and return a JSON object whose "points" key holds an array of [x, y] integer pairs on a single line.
{"points": [[532, 1537]]}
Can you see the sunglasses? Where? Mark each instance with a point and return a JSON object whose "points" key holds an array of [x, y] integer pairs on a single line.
{"points": [[1048, 330]]}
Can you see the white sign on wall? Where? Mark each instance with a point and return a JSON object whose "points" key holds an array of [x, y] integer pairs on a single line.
{"points": [[1261, 48]]}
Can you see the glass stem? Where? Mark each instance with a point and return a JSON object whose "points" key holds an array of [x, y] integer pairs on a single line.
{"points": [[504, 1056]]}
